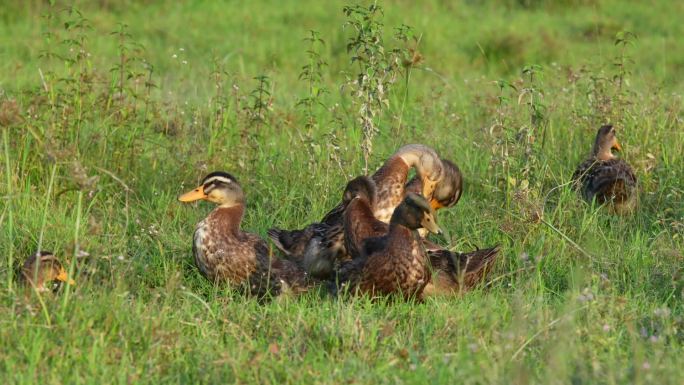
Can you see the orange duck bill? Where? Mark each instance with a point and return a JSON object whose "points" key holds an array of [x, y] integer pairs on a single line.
{"points": [[193, 195], [435, 204], [616, 146], [62, 276]]}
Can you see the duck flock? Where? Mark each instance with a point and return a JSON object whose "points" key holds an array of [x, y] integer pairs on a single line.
{"points": [[372, 243]]}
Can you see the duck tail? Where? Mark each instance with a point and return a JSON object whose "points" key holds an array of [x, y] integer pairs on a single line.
{"points": [[289, 241], [478, 260]]}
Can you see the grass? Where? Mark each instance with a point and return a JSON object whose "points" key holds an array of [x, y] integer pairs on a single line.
{"points": [[91, 162]]}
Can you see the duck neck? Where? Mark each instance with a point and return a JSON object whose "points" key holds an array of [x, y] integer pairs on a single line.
{"points": [[403, 239], [423, 159], [603, 154], [427, 164], [399, 230], [601, 151], [229, 217]]}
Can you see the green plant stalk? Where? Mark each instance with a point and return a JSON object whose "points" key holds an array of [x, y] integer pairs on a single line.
{"points": [[72, 263], [43, 221], [10, 212]]}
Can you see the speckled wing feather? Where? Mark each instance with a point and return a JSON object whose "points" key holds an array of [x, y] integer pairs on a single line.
{"points": [[453, 272], [607, 180], [274, 275], [293, 242], [350, 273]]}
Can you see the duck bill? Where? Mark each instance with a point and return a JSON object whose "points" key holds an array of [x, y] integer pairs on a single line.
{"points": [[430, 225], [62, 276], [617, 146], [435, 204], [193, 195]]}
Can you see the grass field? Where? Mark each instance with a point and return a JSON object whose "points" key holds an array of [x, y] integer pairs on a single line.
{"points": [[108, 113]]}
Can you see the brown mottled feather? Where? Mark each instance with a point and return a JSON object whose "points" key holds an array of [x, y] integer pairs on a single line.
{"points": [[607, 181], [449, 277], [360, 224], [453, 273], [391, 264], [40, 271], [224, 253], [603, 177], [323, 243]]}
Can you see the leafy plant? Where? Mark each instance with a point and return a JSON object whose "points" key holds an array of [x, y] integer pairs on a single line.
{"points": [[377, 67]]}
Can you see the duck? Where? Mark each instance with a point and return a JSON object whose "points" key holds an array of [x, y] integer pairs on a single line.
{"points": [[395, 263], [223, 252], [452, 272], [604, 177], [44, 272], [321, 245]]}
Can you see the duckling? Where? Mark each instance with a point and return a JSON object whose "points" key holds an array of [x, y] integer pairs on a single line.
{"points": [[44, 272], [606, 178], [320, 245], [396, 262], [225, 253], [451, 272]]}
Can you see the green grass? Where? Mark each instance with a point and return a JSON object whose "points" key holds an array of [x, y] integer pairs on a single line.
{"points": [[579, 297]]}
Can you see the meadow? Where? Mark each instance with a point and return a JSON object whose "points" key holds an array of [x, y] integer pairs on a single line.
{"points": [[110, 109]]}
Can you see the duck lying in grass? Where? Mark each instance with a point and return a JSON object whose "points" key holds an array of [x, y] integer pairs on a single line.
{"points": [[450, 272], [225, 253], [44, 272], [321, 245], [606, 178], [395, 262]]}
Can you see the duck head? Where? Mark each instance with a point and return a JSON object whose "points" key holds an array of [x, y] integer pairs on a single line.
{"points": [[606, 141], [218, 187], [414, 213], [43, 269], [448, 190]]}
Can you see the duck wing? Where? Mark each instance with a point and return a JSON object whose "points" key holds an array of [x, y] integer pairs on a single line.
{"points": [[608, 180]]}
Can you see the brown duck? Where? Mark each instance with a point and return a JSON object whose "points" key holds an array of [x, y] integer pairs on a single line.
{"points": [[44, 272], [395, 263], [451, 272], [225, 253], [606, 178], [321, 245]]}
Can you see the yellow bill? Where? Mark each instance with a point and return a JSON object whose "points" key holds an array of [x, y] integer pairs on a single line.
{"points": [[193, 195], [62, 276]]}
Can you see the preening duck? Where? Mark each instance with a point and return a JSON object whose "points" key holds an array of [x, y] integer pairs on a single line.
{"points": [[321, 245], [451, 272]]}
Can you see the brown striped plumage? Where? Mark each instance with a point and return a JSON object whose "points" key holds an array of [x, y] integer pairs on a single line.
{"points": [[225, 253], [44, 272], [321, 245], [396, 262], [451, 272], [605, 178]]}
